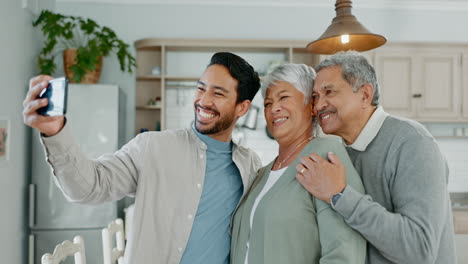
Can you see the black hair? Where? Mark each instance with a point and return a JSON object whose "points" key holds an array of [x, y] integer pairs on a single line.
{"points": [[242, 71]]}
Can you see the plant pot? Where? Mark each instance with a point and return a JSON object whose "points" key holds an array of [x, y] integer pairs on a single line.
{"points": [[69, 58]]}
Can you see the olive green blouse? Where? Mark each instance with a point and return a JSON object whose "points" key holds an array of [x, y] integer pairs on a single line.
{"points": [[292, 226]]}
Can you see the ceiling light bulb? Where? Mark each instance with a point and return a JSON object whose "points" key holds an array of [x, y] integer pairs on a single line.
{"points": [[345, 33], [344, 39]]}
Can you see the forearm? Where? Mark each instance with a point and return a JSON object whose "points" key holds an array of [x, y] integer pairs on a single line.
{"points": [[345, 245], [407, 237], [88, 181]]}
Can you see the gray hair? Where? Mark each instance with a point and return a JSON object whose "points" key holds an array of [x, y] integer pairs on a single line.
{"points": [[300, 76], [355, 69]]}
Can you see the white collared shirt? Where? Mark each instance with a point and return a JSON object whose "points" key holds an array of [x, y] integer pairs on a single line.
{"points": [[370, 130]]}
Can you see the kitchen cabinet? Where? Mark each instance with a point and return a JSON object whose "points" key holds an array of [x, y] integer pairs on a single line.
{"points": [[168, 69], [423, 82], [395, 81], [465, 85], [461, 243], [460, 223]]}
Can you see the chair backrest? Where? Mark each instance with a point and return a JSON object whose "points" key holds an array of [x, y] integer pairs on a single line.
{"points": [[129, 211], [66, 249], [110, 254]]}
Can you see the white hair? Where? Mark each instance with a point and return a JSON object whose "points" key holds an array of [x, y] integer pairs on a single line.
{"points": [[300, 76]]}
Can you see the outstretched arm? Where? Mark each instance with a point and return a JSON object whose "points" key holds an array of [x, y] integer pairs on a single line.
{"points": [[110, 177], [82, 180]]}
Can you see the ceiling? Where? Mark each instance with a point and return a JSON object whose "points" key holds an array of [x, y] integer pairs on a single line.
{"points": [[455, 5]]}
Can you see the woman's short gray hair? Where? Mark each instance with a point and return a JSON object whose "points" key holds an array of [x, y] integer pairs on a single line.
{"points": [[355, 69], [300, 76]]}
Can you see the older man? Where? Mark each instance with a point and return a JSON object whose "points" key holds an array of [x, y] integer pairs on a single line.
{"points": [[406, 215]]}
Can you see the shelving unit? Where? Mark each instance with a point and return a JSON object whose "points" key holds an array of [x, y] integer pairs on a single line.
{"points": [[181, 61]]}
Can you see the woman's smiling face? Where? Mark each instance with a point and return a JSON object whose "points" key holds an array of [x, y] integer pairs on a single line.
{"points": [[286, 113]]}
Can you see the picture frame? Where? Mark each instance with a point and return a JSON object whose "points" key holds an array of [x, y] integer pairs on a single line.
{"points": [[5, 138]]}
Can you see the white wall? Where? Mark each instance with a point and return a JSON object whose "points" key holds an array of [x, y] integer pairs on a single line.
{"points": [[133, 22], [18, 48], [456, 153]]}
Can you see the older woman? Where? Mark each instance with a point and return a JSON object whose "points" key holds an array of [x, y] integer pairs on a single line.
{"points": [[279, 221]]}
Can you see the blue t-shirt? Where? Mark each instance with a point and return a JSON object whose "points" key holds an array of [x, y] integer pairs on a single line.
{"points": [[209, 241]]}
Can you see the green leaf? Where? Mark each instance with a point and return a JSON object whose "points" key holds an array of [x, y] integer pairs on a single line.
{"points": [[91, 40], [49, 46], [46, 65], [40, 18], [89, 26], [78, 73]]}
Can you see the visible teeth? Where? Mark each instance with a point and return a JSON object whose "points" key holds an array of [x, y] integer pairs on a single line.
{"points": [[205, 115], [279, 120], [326, 116]]}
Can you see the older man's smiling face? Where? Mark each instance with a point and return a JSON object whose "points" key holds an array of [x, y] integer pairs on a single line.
{"points": [[337, 107]]}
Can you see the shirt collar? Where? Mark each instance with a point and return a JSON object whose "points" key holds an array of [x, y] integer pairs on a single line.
{"points": [[370, 130], [211, 142]]}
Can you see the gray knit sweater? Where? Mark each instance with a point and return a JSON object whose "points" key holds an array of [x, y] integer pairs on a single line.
{"points": [[406, 215]]}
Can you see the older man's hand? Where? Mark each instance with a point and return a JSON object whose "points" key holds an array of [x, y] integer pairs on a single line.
{"points": [[320, 177]]}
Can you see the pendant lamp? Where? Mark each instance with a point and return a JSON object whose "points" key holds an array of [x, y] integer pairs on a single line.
{"points": [[345, 33]]}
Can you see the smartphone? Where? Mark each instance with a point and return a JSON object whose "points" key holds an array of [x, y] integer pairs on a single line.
{"points": [[56, 92]]}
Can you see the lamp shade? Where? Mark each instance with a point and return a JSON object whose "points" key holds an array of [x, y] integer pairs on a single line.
{"points": [[345, 33]]}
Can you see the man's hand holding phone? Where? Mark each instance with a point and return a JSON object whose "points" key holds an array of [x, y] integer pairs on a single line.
{"points": [[47, 125]]}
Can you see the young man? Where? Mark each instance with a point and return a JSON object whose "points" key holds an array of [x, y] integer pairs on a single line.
{"points": [[406, 215], [186, 182]]}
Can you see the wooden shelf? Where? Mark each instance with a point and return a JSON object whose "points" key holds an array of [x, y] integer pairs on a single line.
{"points": [[213, 44], [451, 137], [185, 59], [148, 107], [148, 78], [182, 78], [167, 78]]}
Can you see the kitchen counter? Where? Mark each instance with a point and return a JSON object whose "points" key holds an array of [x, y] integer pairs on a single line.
{"points": [[460, 221], [460, 212]]}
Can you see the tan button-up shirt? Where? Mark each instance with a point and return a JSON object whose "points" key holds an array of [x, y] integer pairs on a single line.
{"points": [[163, 170]]}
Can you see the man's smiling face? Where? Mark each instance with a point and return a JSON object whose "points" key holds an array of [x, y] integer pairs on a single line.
{"points": [[215, 101]]}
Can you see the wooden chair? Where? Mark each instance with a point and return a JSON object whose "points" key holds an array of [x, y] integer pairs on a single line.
{"points": [[112, 255], [66, 249], [129, 211]]}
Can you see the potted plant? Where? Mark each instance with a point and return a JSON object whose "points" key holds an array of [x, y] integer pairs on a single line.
{"points": [[82, 39]]}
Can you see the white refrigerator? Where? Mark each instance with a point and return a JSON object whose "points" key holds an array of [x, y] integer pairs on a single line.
{"points": [[93, 114]]}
